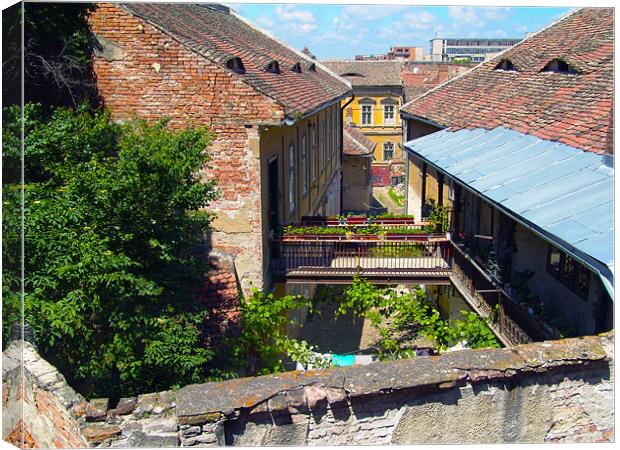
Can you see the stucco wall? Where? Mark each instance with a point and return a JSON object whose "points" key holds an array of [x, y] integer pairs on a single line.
{"points": [[357, 190], [559, 391]]}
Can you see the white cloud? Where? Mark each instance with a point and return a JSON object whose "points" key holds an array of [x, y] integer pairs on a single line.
{"points": [[419, 21], [297, 21], [370, 12], [341, 25], [466, 16], [265, 21], [496, 12]]}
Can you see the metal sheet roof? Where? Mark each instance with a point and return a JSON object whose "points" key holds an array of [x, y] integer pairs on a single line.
{"points": [[562, 192]]}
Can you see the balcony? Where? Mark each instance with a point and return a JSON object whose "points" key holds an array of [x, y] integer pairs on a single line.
{"points": [[384, 250], [482, 287]]}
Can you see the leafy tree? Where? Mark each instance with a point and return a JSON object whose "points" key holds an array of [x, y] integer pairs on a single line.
{"points": [[263, 341], [411, 314], [114, 220], [58, 47]]}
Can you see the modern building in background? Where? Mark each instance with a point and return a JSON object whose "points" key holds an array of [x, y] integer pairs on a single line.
{"points": [[468, 49]]}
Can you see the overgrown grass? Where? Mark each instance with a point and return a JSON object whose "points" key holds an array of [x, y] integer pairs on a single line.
{"points": [[396, 197]]}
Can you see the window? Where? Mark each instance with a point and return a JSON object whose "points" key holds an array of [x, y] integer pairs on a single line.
{"points": [[570, 272], [559, 66], [291, 178], [506, 65], [313, 153], [366, 114], [236, 65], [388, 151], [329, 138], [304, 165], [273, 67], [335, 133], [388, 114], [322, 143]]}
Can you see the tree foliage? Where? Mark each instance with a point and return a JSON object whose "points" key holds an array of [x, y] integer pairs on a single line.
{"points": [[263, 341], [58, 47], [412, 314], [113, 220]]}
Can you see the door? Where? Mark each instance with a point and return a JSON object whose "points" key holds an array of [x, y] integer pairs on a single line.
{"points": [[272, 206]]}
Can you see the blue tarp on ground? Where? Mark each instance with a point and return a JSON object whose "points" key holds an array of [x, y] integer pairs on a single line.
{"points": [[563, 193]]}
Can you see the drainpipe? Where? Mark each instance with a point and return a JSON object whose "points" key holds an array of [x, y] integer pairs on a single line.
{"points": [[341, 153]]}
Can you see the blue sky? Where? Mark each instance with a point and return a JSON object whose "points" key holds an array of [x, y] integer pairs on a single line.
{"points": [[342, 31]]}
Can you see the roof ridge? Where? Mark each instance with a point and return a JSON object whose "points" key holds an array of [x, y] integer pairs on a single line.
{"points": [[251, 24], [563, 17]]}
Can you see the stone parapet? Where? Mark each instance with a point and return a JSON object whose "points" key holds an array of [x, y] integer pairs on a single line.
{"points": [[556, 391]]}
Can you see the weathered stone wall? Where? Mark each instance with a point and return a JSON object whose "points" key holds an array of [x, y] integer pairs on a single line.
{"points": [[560, 391]]}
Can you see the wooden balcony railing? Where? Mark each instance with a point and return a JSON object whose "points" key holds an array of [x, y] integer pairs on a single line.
{"points": [[509, 318]]}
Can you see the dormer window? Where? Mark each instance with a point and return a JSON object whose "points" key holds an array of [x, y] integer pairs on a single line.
{"points": [[296, 68], [560, 66], [273, 67], [351, 74], [506, 65], [312, 67], [236, 65]]}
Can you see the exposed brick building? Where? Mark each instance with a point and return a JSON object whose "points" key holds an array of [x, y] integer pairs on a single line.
{"points": [[275, 113]]}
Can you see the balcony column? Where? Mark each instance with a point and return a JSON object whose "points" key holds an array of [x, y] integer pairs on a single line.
{"points": [[423, 191], [440, 189]]}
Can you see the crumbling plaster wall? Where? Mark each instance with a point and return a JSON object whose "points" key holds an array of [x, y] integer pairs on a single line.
{"points": [[558, 391]]}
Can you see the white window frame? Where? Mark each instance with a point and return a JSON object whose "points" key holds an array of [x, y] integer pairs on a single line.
{"points": [[387, 122], [371, 114], [291, 178], [385, 144], [304, 165]]}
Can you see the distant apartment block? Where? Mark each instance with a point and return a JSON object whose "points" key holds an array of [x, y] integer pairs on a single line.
{"points": [[403, 53], [473, 49]]}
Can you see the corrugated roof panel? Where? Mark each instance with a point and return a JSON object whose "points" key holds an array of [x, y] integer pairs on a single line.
{"points": [[571, 231], [522, 165], [564, 192], [553, 190], [550, 173], [599, 247]]}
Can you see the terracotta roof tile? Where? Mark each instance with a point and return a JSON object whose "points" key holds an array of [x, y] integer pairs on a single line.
{"points": [[219, 35], [573, 109], [368, 73], [356, 143]]}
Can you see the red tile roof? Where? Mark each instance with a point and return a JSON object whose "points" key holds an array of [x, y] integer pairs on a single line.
{"points": [[573, 109], [368, 73], [219, 35], [355, 143]]}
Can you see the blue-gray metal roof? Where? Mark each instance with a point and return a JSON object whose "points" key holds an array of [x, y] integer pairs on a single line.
{"points": [[564, 193]]}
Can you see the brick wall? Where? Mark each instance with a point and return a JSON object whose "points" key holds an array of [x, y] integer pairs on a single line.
{"points": [[554, 391], [143, 72]]}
